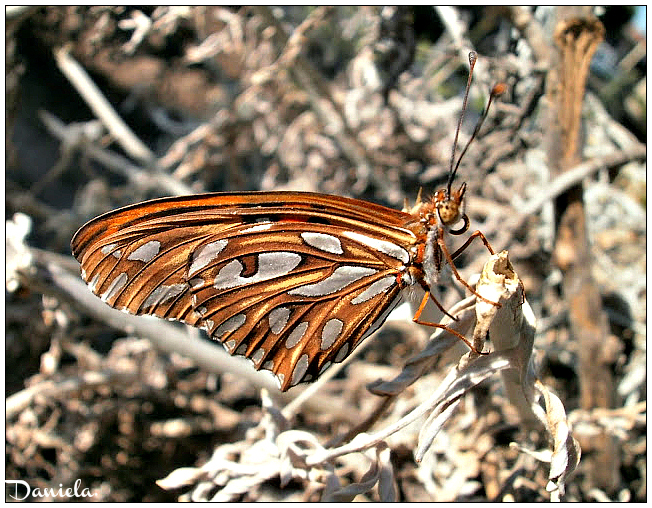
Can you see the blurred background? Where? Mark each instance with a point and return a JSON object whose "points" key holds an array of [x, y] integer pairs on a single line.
{"points": [[361, 102]]}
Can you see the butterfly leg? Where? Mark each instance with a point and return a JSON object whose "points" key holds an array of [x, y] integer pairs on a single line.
{"points": [[468, 242], [417, 316], [449, 258], [489, 248], [430, 295]]}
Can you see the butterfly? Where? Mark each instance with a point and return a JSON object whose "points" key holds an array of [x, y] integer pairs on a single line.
{"points": [[293, 281]]}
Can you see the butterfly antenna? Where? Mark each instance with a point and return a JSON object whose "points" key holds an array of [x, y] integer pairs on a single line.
{"points": [[497, 90], [451, 175]]}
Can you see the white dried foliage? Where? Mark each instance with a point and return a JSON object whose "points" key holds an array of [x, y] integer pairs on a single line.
{"points": [[268, 452], [566, 450], [18, 257], [272, 451]]}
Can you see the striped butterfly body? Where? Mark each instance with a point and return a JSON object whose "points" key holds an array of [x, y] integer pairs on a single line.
{"points": [[293, 281]]}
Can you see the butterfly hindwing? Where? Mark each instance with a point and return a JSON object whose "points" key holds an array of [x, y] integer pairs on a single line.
{"points": [[289, 306]]}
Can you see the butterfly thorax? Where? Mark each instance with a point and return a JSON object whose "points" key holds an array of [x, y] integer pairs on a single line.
{"points": [[431, 219]]}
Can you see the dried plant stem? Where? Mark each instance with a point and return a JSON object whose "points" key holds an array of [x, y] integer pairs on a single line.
{"points": [[512, 328], [456, 383], [511, 331], [364, 441], [577, 35], [363, 426]]}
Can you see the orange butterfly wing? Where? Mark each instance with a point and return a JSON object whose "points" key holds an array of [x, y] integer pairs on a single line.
{"points": [[293, 281]]}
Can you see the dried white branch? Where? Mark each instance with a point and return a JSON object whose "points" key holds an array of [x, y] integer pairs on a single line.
{"points": [[457, 384], [378, 473], [143, 178], [441, 341], [511, 328], [455, 26], [572, 177], [100, 106], [512, 332], [140, 24]]}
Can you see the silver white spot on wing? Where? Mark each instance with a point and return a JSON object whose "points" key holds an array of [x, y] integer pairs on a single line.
{"points": [[118, 283], [229, 275], [208, 325], [106, 250], [322, 241], [296, 335], [270, 266], [230, 345], [201, 310], [258, 356], [230, 325], [145, 252], [324, 367], [380, 286], [275, 264], [340, 278], [389, 248], [93, 283], [279, 379], [330, 333], [278, 318], [163, 294], [300, 369], [242, 349], [205, 254], [263, 226], [341, 354], [268, 365]]}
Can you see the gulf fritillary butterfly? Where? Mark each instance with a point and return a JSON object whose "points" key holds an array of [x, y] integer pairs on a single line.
{"points": [[293, 281]]}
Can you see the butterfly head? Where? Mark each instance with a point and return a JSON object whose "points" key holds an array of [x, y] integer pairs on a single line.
{"points": [[450, 208]]}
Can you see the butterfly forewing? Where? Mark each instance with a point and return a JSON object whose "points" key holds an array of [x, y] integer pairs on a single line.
{"points": [[293, 281]]}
